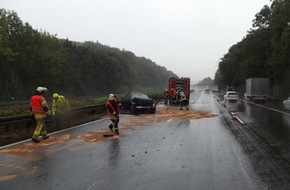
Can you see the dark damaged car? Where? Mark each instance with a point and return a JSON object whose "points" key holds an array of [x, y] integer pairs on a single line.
{"points": [[138, 103]]}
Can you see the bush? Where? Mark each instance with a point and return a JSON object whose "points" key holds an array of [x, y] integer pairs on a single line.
{"points": [[14, 110], [24, 109]]}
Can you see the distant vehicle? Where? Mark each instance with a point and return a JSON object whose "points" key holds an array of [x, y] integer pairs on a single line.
{"points": [[231, 96], [138, 103], [286, 104], [257, 89], [207, 89], [230, 88], [214, 89]]}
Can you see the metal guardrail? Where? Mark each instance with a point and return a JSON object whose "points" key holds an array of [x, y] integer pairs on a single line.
{"points": [[27, 117], [12, 103], [15, 119], [20, 127]]}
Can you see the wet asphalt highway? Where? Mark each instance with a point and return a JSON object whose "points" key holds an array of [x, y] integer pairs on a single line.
{"points": [[206, 153]]}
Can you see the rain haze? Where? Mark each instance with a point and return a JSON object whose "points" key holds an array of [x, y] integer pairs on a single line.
{"points": [[188, 37]]}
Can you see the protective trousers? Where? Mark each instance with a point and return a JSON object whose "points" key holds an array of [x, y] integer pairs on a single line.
{"points": [[184, 103], [114, 125], [40, 126]]}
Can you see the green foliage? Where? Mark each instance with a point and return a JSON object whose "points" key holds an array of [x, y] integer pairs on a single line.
{"points": [[156, 95], [205, 82], [20, 110], [29, 58], [101, 100], [14, 110], [264, 52]]}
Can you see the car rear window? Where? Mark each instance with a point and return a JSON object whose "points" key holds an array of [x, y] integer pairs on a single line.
{"points": [[232, 93]]}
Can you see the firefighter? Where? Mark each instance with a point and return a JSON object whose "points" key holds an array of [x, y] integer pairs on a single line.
{"points": [[60, 108], [113, 111], [182, 100], [40, 110], [173, 95], [166, 96]]}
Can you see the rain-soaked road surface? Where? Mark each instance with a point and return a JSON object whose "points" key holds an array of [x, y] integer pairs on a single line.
{"points": [[202, 148]]}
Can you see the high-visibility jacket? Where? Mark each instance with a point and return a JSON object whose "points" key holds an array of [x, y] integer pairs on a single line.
{"points": [[38, 104], [56, 104], [112, 107], [60, 105], [65, 103]]}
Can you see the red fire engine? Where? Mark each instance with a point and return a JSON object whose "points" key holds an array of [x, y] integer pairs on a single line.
{"points": [[175, 84]]}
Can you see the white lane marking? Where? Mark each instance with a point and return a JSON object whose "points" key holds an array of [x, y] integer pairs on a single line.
{"points": [[266, 107], [235, 117], [94, 184], [241, 121]]}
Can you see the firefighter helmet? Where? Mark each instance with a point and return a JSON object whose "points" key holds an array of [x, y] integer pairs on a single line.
{"points": [[111, 97], [55, 96], [41, 89]]}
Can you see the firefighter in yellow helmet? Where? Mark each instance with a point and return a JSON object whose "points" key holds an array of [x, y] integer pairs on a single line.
{"points": [[60, 108], [40, 110], [56, 102]]}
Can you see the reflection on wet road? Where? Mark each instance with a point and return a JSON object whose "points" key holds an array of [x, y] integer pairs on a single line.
{"points": [[268, 123], [203, 148], [265, 138]]}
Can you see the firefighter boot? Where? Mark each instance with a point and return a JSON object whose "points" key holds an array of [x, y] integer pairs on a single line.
{"points": [[111, 128], [45, 137], [35, 139], [116, 131]]}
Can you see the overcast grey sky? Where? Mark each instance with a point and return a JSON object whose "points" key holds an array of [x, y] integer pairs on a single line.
{"points": [[187, 37]]}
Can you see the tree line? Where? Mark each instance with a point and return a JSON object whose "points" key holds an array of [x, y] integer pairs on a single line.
{"points": [[31, 58], [263, 52]]}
